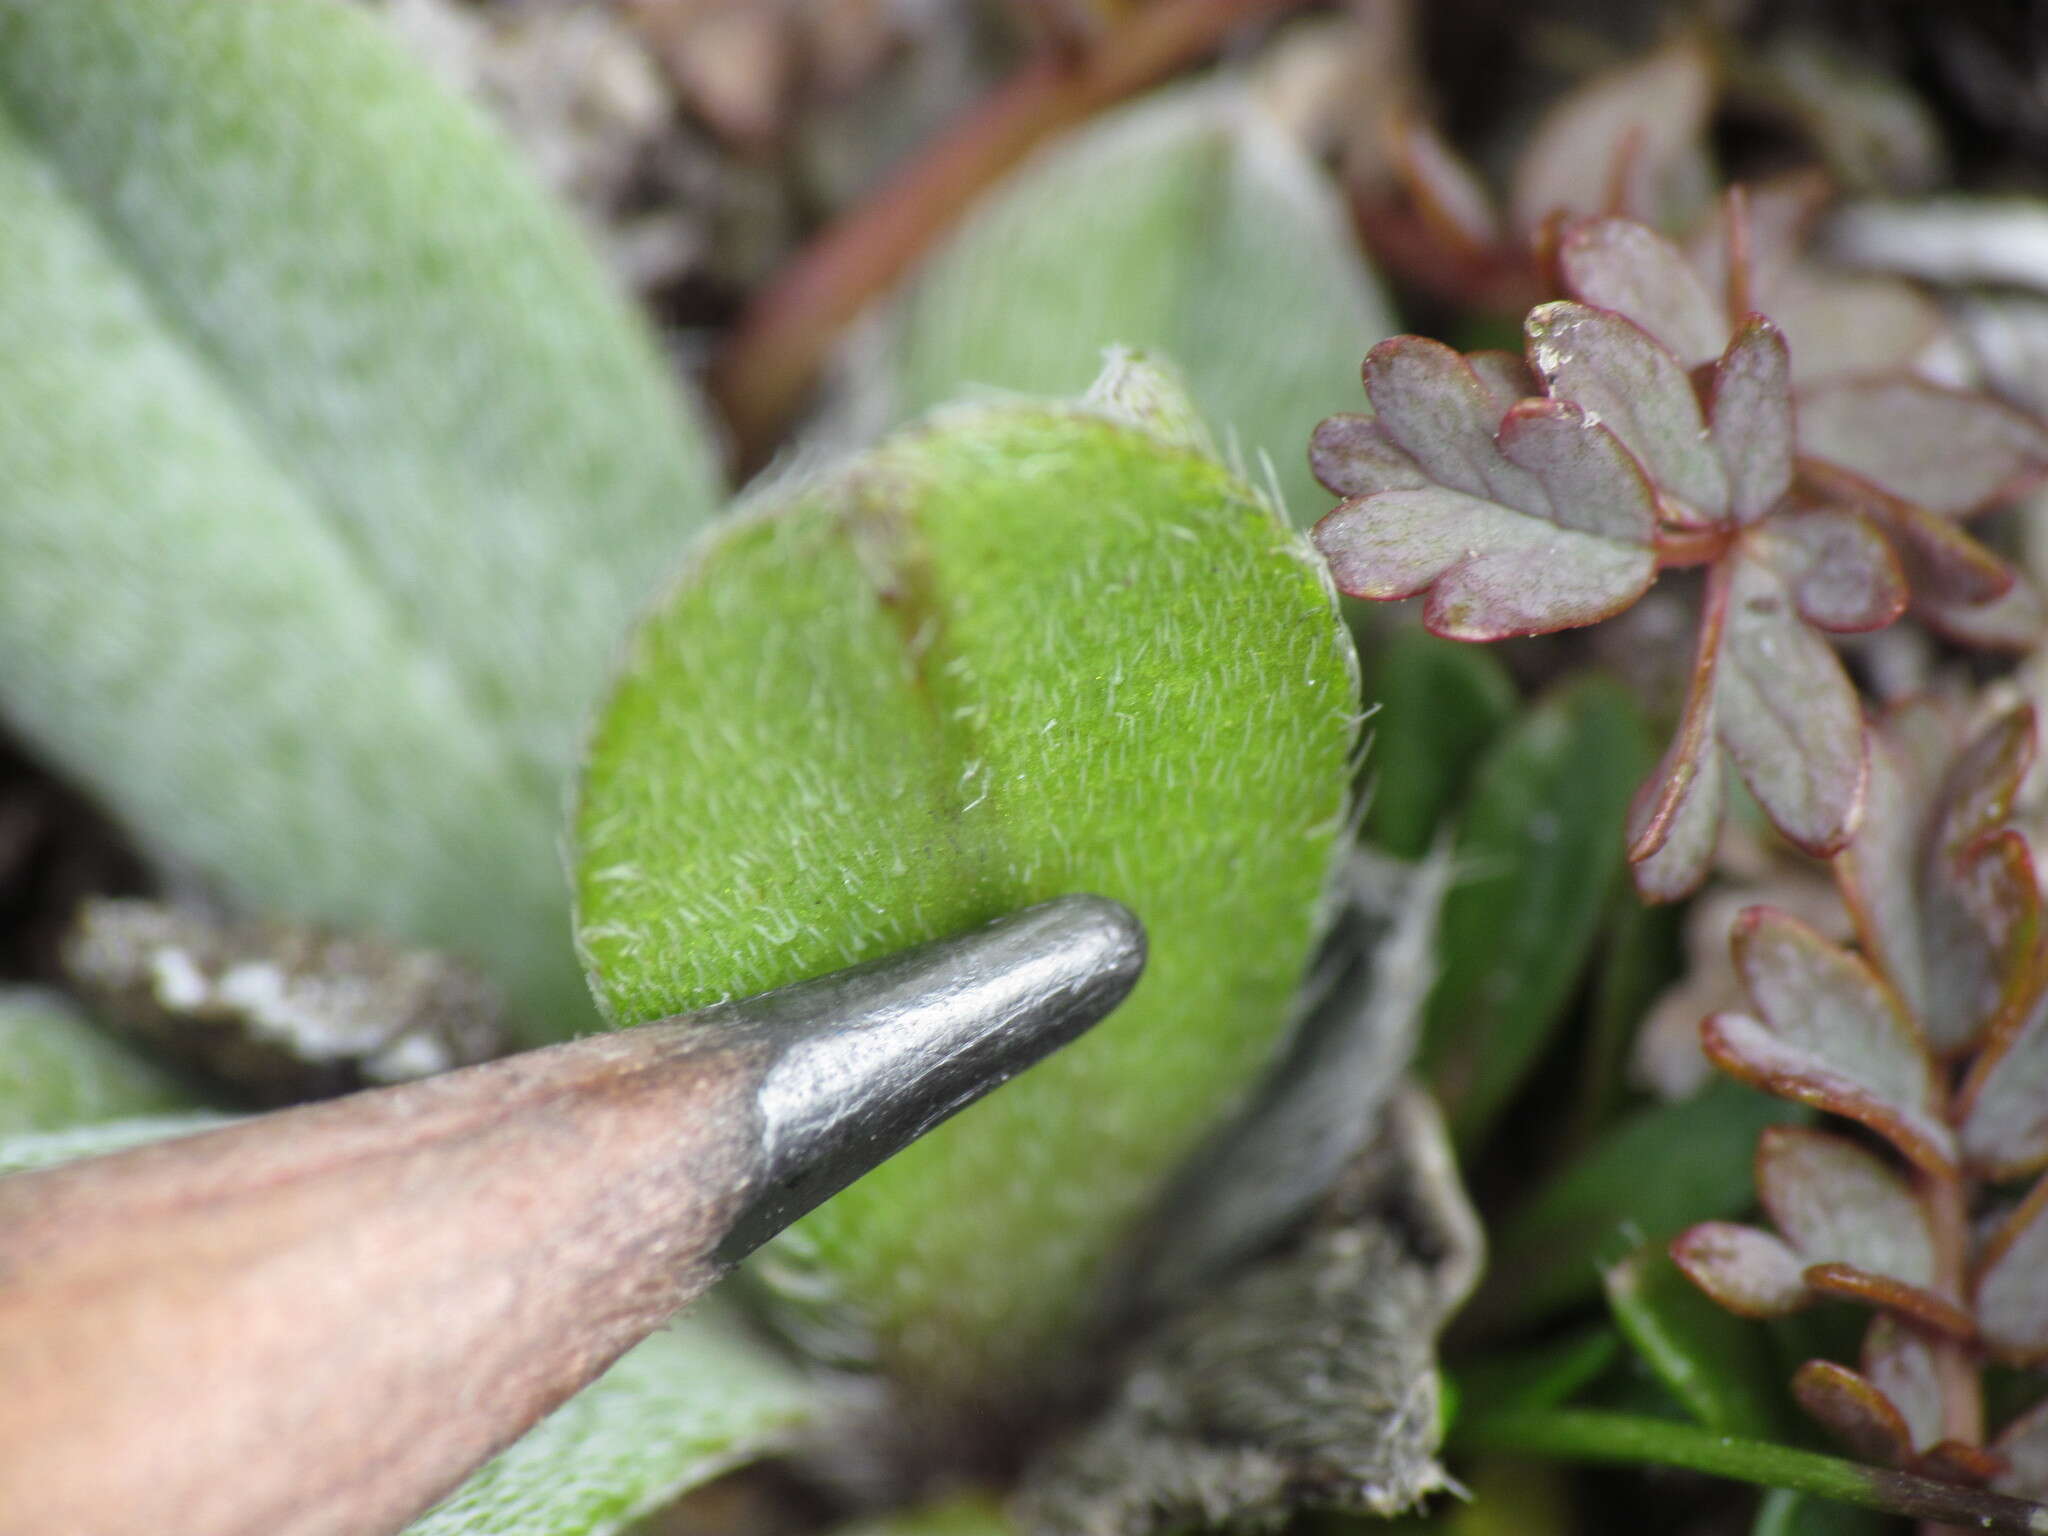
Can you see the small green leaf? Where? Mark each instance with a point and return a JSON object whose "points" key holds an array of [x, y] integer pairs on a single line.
{"points": [[1717, 1364], [969, 1516], [58, 1069], [1538, 852], [1783, 1513], [1582, 1434], [1440, 703], [1021, 652], [1540, 1377], [1601, 1205], [331, 468], [693, 1401], [1190, 224]]}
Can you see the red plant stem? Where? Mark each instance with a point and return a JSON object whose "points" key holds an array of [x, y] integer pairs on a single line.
{"points": [[764, 370], [1946, 1199], [1677, 547]]}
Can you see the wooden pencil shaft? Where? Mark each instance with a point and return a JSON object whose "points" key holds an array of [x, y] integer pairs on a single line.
{"points": [[318, 1322]]}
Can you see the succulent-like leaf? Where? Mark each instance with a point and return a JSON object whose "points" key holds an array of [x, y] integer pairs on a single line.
{"points": [[2023, 1444], [1536, 849], [2004, 1103], [1529, 523], [692, 1402], [1627, 141], [1835, 1202], [1020, 652], [1434, 405], [1629, 268], [1749, 403], [1830, 1034], [1787, 712], [1843, 574], [1351, 455], [330, 469], [1746, 1269], [1490, 572], [2015, 620], [1626, 379], [1856, 1411], [1949, 451], [1675, 820], [2011, 1295], [1915, 1303], [1189, 223], [1715, 1363], [1898, 1361], [59, 1069]]}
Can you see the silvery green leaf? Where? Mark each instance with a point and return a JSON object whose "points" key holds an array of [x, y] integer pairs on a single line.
{"points": [[693, 1401], [1190, 224], [330, 469], [1626, 379], [58, 1069], [1006, 656]]}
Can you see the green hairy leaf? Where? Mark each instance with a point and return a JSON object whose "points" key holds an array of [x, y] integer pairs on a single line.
{"points": [[58, 1069], [1190, 223], [331, 472], [1020, 652]]}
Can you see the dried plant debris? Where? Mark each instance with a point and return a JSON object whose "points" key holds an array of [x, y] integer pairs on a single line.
{"points": [[278, 1011], [1307, 1379]]}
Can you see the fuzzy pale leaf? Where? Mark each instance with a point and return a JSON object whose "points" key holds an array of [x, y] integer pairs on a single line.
{"points": [[1191, 224], [1843, 575], [59, 1069], [1855, 1410], [330, 469], [1749, 403]]}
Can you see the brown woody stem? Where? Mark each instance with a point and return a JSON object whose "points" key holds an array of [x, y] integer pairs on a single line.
{"points": [[774, 355]]}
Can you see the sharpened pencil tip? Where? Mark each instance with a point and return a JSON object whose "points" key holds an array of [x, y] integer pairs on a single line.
{"points": [[867, 1060]]}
